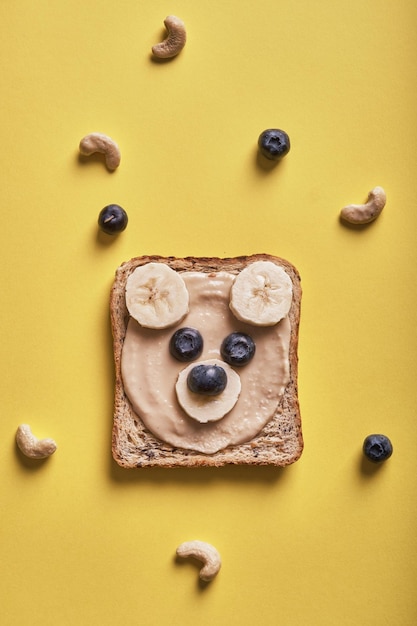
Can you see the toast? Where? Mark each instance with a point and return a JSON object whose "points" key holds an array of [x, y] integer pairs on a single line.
{"points": [[279, 442]]}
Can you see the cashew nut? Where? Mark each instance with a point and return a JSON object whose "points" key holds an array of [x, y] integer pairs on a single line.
{"points": [[364, 213], [97, 142], [31, 446], [175, 40], [203, 552]]}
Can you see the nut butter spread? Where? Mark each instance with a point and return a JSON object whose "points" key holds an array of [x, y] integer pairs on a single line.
{"points": [[150, 373]]}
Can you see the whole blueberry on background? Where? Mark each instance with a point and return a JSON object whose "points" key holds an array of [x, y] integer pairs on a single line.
{"points": [[112, 219], [377, 448], [274, 144]]}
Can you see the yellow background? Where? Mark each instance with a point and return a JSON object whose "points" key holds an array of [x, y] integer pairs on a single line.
{"points": [[327, 541]]}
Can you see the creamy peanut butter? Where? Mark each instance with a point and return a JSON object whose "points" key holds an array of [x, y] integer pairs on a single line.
{"points": [[150, 373]]}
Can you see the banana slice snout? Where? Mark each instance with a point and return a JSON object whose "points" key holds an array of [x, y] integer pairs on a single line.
{"points": [[156, 295], [261, 294], [208, 408]]}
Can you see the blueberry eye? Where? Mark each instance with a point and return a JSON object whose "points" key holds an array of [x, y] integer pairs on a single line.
{"points": [[186, 344], [237, 349]]}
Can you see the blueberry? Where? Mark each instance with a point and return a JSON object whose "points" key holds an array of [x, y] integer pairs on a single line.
{"points": [[274, 144], [209, 380], [186, 344], [377, 448], [112, 219], [237, 349]]}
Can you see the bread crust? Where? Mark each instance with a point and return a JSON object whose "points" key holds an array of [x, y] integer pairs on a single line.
{"points": [[279, 443]]}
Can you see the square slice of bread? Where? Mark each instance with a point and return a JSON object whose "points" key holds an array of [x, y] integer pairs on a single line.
{"points": [[279, 443]]}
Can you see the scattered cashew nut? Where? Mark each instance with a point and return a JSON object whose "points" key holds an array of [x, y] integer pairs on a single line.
{"points": [[175, 40], [365, 213], [31, 446], [203, 552], [97, 142]]}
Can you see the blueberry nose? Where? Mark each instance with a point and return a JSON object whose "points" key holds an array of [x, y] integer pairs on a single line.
{"points": [[208, 380]]}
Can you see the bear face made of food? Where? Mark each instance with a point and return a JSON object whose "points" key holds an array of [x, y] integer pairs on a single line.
{"points": [[205, 358]]}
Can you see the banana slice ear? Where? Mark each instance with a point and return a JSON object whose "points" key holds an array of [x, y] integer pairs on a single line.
{"points": [[261, 294], [156, 296]]}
